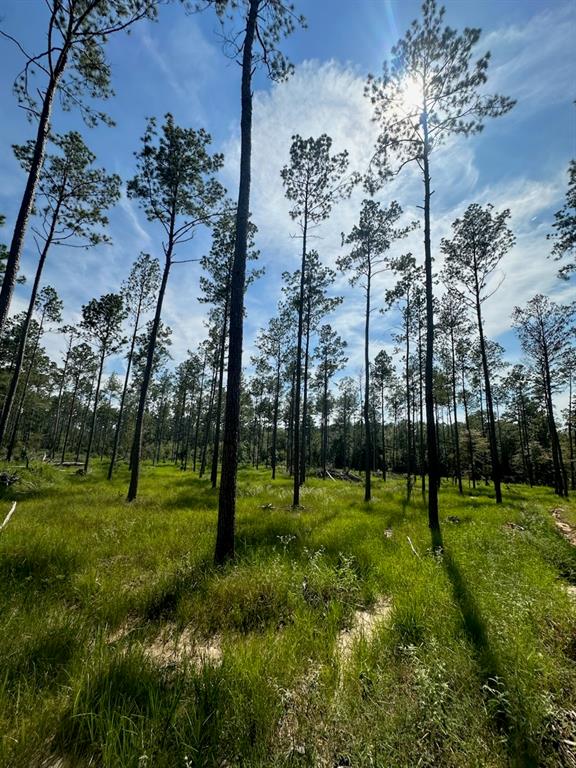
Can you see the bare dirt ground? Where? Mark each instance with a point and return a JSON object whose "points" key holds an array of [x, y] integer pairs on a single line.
{"points": [[563, 526]]}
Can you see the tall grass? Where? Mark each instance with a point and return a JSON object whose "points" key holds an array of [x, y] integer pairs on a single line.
{"points": [[475, 665]]}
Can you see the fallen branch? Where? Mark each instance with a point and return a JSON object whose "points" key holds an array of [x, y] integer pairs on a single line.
{"points": [[412, 547], [8, 516]]}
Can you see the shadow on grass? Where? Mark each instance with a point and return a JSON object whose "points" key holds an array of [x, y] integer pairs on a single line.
{"points": [[162, 601], [523, 752], [195, 496], [37, 569]]}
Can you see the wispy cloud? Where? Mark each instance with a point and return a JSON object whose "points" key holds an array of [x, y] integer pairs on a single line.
{"points": [[525, 53]]}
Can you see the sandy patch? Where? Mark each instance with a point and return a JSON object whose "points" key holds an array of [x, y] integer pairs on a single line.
{"points": [[171, 648], [563, 526], [364, 625]]}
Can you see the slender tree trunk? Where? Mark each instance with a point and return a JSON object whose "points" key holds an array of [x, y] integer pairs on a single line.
{"points": [[199, 414], [160, 434], [69, 422], [553, 439], [275, 418], [522, 443], [468, 430], [12, 441], [224, 549], [433, 468], [11, 394], [422, 449], [305, 397], [395, 437], [118, 429], [298, 372], [561, 478], [384, 468], [482, 421], [83, 422], [454, 405], [496, 471], [184, 461], [208, 424], [408, 404], [260, 435], [290, 428], [95, 412], [221, 363], [138, 429], [368, 435], [571, 434], [325, 419], [56, 431], [27, 203], [345, 431]]}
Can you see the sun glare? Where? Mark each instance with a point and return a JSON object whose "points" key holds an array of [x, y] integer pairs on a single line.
{"points": [[410, 95]]}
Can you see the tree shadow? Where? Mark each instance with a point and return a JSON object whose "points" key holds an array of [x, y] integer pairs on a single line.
{"points": [[522, 749], [193, 497]]}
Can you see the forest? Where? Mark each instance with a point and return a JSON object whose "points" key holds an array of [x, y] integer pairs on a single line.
{"points": [[294, 485]]}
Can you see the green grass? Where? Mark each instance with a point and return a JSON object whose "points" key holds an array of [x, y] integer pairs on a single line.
{"points": [[475, 666]]}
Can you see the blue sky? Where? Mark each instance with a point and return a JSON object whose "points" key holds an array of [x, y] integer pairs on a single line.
{"points": [[177, 65]]}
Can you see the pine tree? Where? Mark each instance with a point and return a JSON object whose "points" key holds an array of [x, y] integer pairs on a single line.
{"points": [[176, 188], [102, 325], [371, 239], [429, 90], [315, 181]]}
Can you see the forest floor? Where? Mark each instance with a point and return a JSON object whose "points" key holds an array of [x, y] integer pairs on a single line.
{"points": [[337, 638]]}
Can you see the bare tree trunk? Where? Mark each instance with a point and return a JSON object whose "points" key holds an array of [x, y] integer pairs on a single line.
{"points": [[496, 471], [138, 430], [118, 429], [368, 435], [56, 431], [95, 412], [221, 363], [11, 394], [408, 404], [12, 441], [275, 419], [188, 420], [456, 435], [290, 427], [305, 397], [571, 434], [83, 422], [27, 204], [422, 450], [224, 549], [325, 421], [433, 469], [298, 372], [560, 476], [384, 467], [198, 414], [208, 423], [69, 422]]}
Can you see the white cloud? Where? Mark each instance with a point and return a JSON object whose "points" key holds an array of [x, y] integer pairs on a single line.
{"points": [[523, 55]]}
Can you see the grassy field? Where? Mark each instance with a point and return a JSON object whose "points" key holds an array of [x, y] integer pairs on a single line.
{"points": [[122, 645]]}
